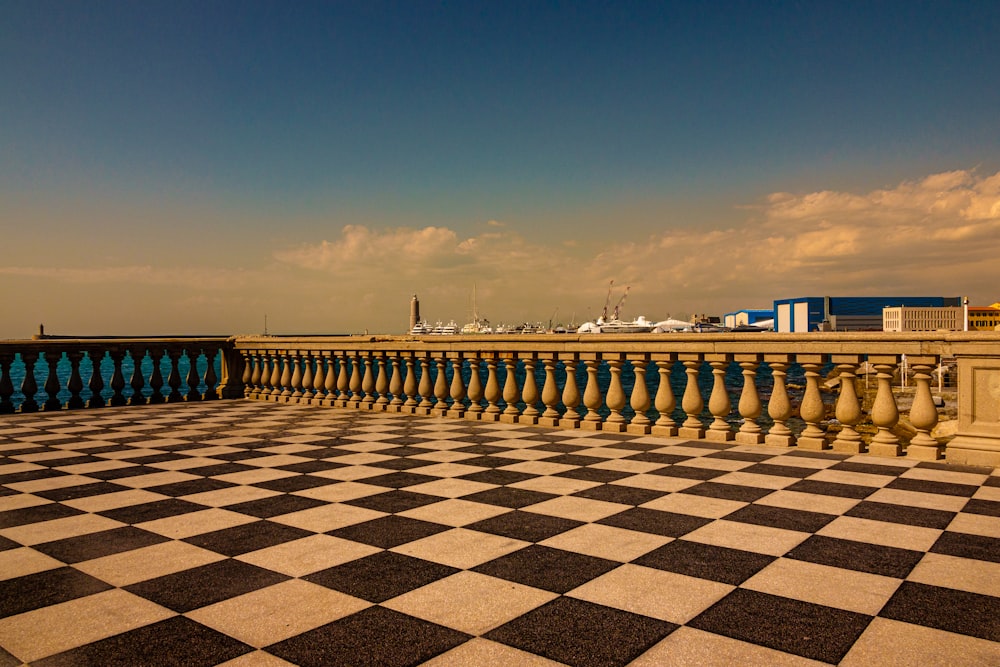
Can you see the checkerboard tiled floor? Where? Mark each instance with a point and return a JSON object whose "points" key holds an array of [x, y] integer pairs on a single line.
{"points": [[243, 533]]}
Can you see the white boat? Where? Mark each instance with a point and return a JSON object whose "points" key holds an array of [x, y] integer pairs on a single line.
{"points": [[420, 328], [477, 325], [615, 324], [671, 325], [440, 329]]}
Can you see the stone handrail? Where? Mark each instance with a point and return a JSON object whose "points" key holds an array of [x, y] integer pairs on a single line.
{"points": [[66, 389], [532, 379]]}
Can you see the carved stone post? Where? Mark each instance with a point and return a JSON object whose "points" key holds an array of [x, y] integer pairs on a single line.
{"points": [[210, 378], [330, 399], [318, 385], [592, 398], [571, 393], [639, 400], [885, 412], [155, 376], [267, 362], [285, 380], [192, 376], [343, 379], [426, 387], [511, 393], [530, 393], [410, 386], [550, 394], [357, 382], [692, 402], [276, 376], [848, 411], [249, 368], [52, 382], [475, 389], [382, 383], [615, 400], [665, 401], [457, 409], [923, 412], [750, 406], [779, 407], [368, 383], [441, 389], [718, 403], [812, 410], [297, 377], [96, 383], [307, 378], [395, 384], [492, 395], [137, 381], [74, 385]]}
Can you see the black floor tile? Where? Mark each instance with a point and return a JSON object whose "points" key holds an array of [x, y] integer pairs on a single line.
{"points": [[946, 609], [389, 531], [81, 491], [780, 517], [573, 459], [42, 589], [509, 497], [744, 494], [656, 522], [779, 470], [624, 495], [158, 509], [987, 507], [6, 544], [926, 486], [562, 448], [7, 660], [129, 470], [190, 487], [406, 449], [296, 483], [381, 576], [26, 515], [190, 589], [219, 469], [550, 569], [493, 476], [265, 508], [401, 463], [594, 475], [964, 545], [705, 561], [911, 516], [247, 537], [372, 637], [98, 545], [860, 556], [174, 642], [730, 455], [580, 633], [869, 468], [491, 461], [854, 491], [689, 472], [393, 502], [526, 526], [805, 629], [398, 480], [30, 475]]}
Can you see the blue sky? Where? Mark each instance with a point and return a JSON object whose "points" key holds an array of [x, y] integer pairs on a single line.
{"points": [[266, 155]]}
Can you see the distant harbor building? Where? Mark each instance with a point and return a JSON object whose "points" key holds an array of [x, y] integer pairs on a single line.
{"points": [[743, 318], [908, 318], [846, 313], [984, 318]]}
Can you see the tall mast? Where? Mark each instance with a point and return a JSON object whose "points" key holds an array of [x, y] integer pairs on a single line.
{"points": [[620, 303], [607, 301]]}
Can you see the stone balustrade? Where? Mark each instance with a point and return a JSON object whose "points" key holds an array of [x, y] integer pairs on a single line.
{"points": [[160, 370], [767, 389]]}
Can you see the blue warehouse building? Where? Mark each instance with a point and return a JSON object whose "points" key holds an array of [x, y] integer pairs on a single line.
{"points": [[845, 313]]}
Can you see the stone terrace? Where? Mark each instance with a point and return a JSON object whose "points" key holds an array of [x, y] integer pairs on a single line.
{"points": [[247, 533]]}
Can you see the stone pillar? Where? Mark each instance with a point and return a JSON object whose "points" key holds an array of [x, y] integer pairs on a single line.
{"points": [[357, 382], [96, 383], [382, 382], [343, 379], [475, 392], [616, 394], [639, 400], [571, 393], [155, 376], [52, 382], [665, 402], [297, 377], [692, 402], [779, 407], [511, 393], [885, 412], [410, 385], [441, 390], [530, 393], [978, 439], [492, 412], [29, 387], [74, 385], [396, 384], [848, 411], [457, 409], [592, 398], [425, 387], [550, 394], [285, 380], [368, 383], [718, 403], [749, 406], [812, 410], [137, 382], [923, 412]]}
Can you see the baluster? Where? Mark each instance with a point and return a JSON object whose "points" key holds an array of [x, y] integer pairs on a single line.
{"points": [[425, 387], [592, 399], [492, 412], [718, 403], [296, 379], [357, 381], [750, 406], [550, 394], [382, 383], [174, 377], [639, 400], [6, 385], [211, 379], [343, 379], [316, 374], [117, 378], [308, 391], [75, 383], [529, 394], [29, 387], [285, 379], [410, 386], [692, 402], [276, 376], [192, 378], [96, 384], [570, 394], [616, 394], [923, 412], [137, 381], [475, 392], [441, 389], [457, 392], [265, 376], [511, 393], [367, 383], [885, 412], [330, 384], [848, 409], [396, 384], [52, 382], [251, 374], [665, 402], [156, 377], [779, 406], [812, 410]]}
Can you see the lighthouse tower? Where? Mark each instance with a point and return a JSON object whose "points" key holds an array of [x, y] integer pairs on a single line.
{"points": [[414, 312]]}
